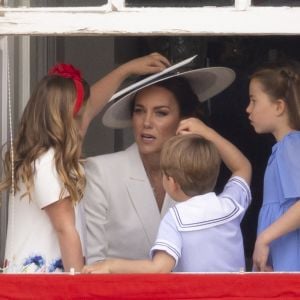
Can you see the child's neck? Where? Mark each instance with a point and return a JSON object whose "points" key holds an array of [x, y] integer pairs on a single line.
{"points": [[281, 132], [180, 196]]}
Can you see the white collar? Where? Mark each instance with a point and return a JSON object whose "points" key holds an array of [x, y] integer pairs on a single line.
{"points": [[205, 211]]}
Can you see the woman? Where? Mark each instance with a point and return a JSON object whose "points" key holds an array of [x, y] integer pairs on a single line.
{"points": [[124, 199]]}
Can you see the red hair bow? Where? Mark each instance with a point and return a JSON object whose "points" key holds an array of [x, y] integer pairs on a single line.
{"points": [[68, 71]]}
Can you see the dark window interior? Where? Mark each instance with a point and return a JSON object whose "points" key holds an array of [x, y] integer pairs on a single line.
{"points": [[182, 3], [154, 3], [275, 3]]}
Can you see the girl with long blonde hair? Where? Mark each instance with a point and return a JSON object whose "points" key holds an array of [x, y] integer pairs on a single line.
{"points": [[48, 179]]}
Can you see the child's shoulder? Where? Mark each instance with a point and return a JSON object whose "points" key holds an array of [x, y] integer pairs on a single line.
{"points": [[238, 190], [45, 158], [288, 147], [290, 140], [238, 183], [286, 158], [205, 211]]}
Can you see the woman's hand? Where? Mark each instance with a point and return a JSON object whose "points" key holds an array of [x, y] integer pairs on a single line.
{"points": [[98, 267], [148, 64], [103, 89], [260, 255]]}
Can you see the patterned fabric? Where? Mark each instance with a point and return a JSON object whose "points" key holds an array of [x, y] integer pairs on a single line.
{"points": [[37, 264], [32, 244]]}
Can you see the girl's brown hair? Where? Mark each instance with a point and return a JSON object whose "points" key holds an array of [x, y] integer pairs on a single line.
{"points": [[282, 81], [192, 161], [47, 122]]}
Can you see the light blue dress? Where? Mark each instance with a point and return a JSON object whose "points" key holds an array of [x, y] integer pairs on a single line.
{"points": [[281, 190]]}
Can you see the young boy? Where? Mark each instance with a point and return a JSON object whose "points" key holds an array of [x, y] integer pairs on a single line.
{"points": [[202, 232]]}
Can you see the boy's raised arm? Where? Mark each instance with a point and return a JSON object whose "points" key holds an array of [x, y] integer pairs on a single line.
{"points": [[233, 158]]}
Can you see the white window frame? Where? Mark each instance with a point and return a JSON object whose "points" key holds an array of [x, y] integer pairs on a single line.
{"points": [[10, 48], [4, 91], [115, 19], [4, 134]]}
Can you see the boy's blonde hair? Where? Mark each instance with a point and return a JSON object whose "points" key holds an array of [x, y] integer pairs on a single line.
{"points": [[192, 161], [48, 122]]}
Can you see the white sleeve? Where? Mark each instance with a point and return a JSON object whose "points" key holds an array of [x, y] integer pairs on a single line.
{"points": [[168, 238], [47, 186], [237, 189]]}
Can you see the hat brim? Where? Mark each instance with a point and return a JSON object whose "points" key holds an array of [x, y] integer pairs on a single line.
{"points": [[205, 82]]}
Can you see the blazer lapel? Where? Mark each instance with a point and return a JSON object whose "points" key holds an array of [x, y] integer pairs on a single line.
{"points": [[146, 208], [141, 194]]}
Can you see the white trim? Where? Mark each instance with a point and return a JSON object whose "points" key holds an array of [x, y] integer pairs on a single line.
{"points": [[242, 4], [117, 4], [83, 9], [24, 72], [4, 134], [152, 21], [4, 90]]}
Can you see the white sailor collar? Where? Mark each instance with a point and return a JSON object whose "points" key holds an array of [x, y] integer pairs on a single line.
{"points": [[205, 211]]}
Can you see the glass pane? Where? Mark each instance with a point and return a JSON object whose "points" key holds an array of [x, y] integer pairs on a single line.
{"points": [[178, 3], [56, 3], [276, 2]]}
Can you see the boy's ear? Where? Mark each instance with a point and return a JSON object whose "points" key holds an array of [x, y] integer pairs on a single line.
{"points": [[173, 182]]}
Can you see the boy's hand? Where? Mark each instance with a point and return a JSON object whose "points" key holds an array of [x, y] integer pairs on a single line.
{"points": [[193, 125], [98, 267]]}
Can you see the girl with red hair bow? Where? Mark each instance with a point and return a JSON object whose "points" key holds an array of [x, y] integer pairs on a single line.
{"points": [[43, 170]]}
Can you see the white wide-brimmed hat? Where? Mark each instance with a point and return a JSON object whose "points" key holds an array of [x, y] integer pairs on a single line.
{"points": [[205, 82]]}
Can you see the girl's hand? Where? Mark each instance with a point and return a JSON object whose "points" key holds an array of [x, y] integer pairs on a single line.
{"points": [[98, 267], [260, 256], [151, 63], [193, 125]]}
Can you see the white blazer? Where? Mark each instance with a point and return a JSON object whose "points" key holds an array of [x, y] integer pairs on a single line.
{"points": [[121, 213]]}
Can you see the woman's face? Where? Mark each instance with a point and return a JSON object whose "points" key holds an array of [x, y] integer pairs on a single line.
{"points": [[155, 118], [261, 109]]}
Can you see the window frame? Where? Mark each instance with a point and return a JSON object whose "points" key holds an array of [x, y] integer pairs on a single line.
{"points": [[114, 19]]}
